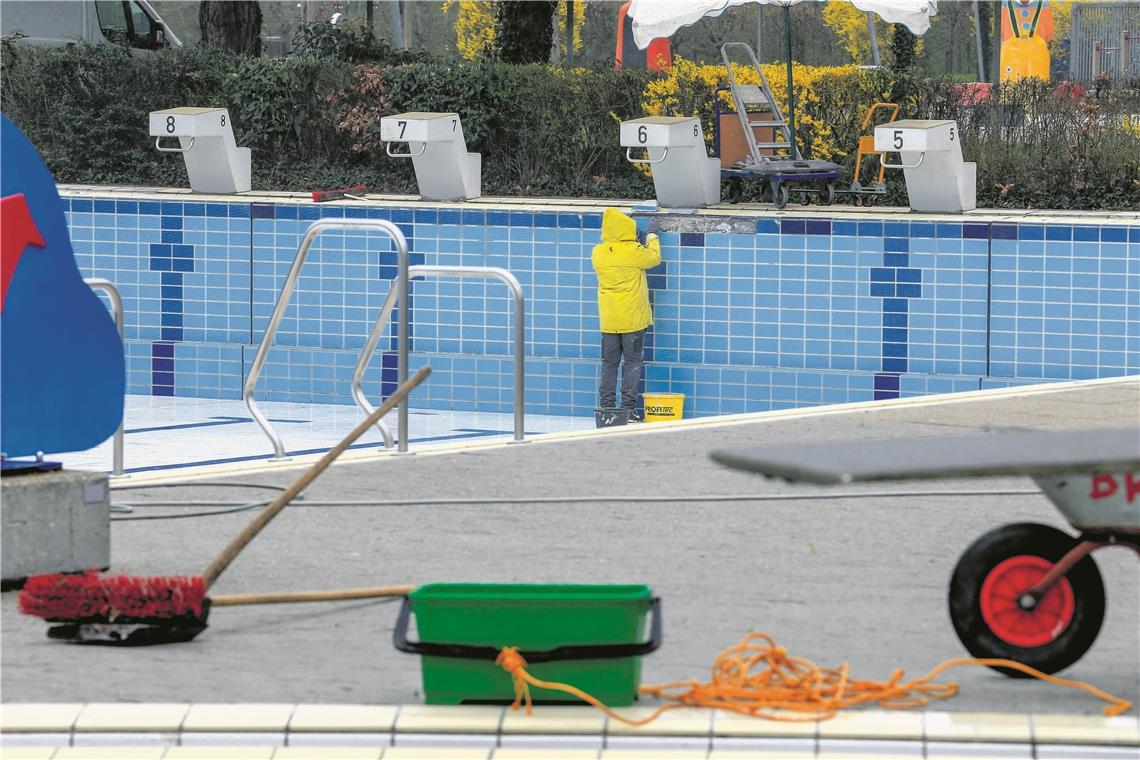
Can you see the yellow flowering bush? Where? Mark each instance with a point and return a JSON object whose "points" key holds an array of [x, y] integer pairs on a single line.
{"points": [[475, 25]]}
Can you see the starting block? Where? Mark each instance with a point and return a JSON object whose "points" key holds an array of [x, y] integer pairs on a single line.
{"points": [[683, 174], [445, 171], [214, 162], [937, 179]]}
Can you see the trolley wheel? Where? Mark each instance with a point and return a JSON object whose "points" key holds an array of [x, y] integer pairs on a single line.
{"points": [[826, 193], [987, 585], [805, 198], [781, 194], [735, 190]]}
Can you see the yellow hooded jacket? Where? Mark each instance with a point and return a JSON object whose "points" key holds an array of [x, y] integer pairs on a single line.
{"points": [[620, 262]]}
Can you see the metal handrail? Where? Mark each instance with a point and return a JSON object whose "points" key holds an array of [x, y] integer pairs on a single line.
{"points": [[108, 287], [647, 160], [883, 161], [409, 154], [179, 149], [316, 228], [423, 270]]}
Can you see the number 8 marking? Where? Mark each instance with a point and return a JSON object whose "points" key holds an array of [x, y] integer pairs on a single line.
{"points": [[170, 124]]}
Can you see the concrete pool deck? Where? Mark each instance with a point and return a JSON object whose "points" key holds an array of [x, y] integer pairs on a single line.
{"points": [[852, 579]]}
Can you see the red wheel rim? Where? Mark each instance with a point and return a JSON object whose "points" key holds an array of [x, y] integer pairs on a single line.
{"points": [[1006, 583]]}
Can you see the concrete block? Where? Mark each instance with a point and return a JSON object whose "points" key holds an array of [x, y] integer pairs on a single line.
{"points": [[53, 522]]}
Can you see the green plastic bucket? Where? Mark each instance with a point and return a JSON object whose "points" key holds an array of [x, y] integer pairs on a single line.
{"points": [[584, 635]]}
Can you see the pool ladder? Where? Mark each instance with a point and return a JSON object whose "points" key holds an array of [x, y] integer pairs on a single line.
{"points": [[398, 292]]}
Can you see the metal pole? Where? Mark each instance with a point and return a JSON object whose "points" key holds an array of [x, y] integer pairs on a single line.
{"points": [[874, 39], [108, 287], [791, 95], [978, 43]]}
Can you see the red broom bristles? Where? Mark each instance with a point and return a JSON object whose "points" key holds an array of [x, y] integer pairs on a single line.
{"points": [[92, 596]]}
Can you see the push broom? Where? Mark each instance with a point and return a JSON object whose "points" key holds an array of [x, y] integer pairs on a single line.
{"points": [[96, 609]]}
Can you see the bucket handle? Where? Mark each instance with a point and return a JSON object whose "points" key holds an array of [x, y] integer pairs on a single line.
{"points": [[568, 652]]}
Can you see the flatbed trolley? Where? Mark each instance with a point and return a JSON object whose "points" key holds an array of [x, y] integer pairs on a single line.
{"points": [[868, 195], [775, 163], [1023, 591]]}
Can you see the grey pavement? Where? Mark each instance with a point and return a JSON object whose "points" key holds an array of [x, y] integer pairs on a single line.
{"points": [[856, 580]]}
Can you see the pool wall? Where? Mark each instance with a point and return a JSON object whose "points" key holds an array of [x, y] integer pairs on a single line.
{"points": [[772, 311]]}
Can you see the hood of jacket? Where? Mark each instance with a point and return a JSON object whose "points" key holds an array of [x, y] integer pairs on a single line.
{"points": [[617, 227]]}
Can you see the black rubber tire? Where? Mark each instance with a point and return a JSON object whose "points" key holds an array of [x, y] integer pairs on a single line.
{"points": [[781, 194], [1017, 539], [826, 193], [735, 191], [805, 198]]}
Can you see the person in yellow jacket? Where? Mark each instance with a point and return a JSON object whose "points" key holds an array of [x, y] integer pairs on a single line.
{"points": [[624, 313]]}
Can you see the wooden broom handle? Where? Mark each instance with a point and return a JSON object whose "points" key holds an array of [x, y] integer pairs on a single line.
{"points": [[223, 560], [229, 600]]}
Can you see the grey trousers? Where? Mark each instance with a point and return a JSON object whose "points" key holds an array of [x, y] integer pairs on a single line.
{"points": [[615, 348]]}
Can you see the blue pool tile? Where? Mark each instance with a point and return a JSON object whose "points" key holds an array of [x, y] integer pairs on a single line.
{"points": [[355, 212], [896, 245], [473, 218], [1134, 234], [237, 210], [844, 228], [82, 205], [194, 209], [793, 226], [975, 231], [570, 220], [880, 274], [896, 229], [308, 213], [1003, 231], [449, 216], [591, 221], [212, 209], [171, 236], [922, 230], [908, 291], [695, 239], [949, 230], [870, 229], [883, 289], [521, 218], [288, 211], [895, 305], [425, 216], [896, 259], [126, 207], [545, 219], [886, 382], [1058, 232], [894, 319], [104, 207], [767, 227], [891, 364], [1114, 234], [1031, 232], [1086, 233], [818, 227], [171, 222], [498, 219], [170, 208]]}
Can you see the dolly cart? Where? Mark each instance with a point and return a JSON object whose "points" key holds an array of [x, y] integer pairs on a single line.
{"points": [[1024, 591], [777, 164], [867, 196]]}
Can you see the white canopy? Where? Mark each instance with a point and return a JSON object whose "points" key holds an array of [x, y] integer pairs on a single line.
{"points": [[660, 18]]}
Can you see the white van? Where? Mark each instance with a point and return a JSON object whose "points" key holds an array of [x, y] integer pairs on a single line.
{"points": [[132, 23]]}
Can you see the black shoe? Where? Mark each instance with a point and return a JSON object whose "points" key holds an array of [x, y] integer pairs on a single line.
{"points": [[635, 416]]}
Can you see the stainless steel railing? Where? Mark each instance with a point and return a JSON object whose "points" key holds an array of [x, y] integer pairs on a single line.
{"points": [[108, 287], [421, 270], [401, 244]]}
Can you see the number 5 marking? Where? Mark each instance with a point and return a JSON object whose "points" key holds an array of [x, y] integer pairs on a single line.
{"points": [[898, 139]]}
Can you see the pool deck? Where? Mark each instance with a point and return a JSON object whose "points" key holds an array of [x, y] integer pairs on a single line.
{"points": [[834, 575]]}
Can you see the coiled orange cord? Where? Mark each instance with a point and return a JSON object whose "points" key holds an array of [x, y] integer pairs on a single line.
{"points": [[758, 678]]}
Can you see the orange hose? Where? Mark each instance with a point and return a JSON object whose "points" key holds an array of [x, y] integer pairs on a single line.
{"points": [[762, 680]]}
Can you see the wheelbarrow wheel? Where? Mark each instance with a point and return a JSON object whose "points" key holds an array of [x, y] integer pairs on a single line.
{"points": [[991, 578], [781, 194]]}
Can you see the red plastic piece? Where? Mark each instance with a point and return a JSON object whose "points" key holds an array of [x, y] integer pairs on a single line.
{"points": [[1006, 584]]}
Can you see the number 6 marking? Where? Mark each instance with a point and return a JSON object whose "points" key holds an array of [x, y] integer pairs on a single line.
{"points": [[642, 135]]}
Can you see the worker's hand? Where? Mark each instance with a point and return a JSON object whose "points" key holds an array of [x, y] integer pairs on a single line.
{"points": [[650, 237]]}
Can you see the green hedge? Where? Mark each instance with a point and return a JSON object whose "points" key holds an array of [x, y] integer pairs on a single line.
{"points": [[313, 122]]}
